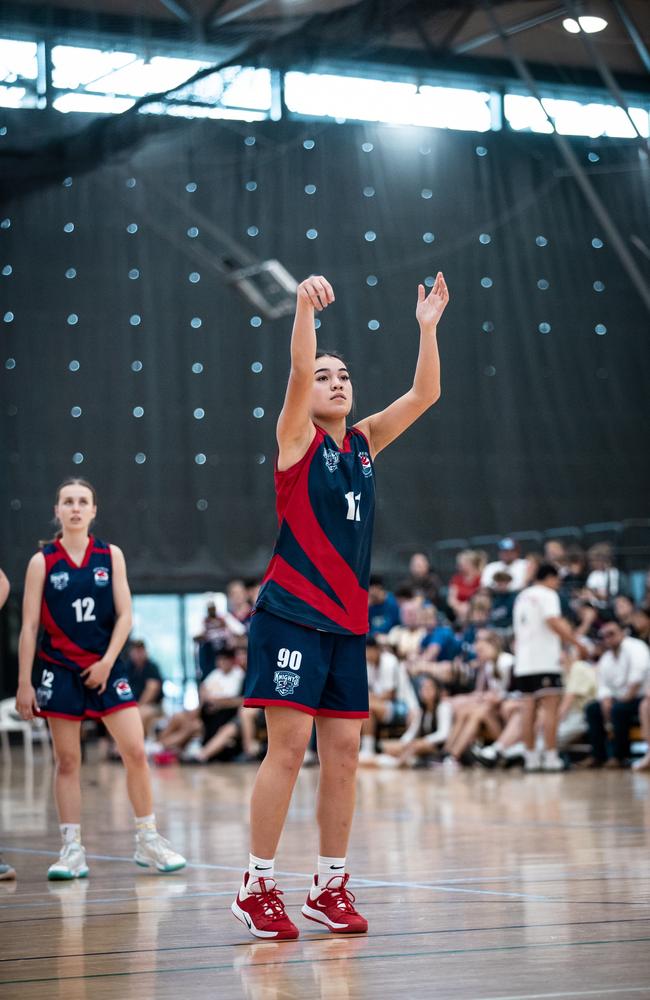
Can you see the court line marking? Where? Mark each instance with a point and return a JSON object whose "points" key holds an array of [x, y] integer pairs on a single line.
{"points": [[384, 884], [312, 961], [323, 937]]}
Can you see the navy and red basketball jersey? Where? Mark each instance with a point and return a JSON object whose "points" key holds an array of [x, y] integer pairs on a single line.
{"points": [[319, 572], [77, 611]]}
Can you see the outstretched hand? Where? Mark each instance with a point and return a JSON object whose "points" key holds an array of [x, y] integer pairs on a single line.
{"points": [[431, 307], [316, 291]]}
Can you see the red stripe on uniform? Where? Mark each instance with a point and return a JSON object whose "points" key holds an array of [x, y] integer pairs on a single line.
{"points": [[299, 586], [330, 713], [60, 641], [91, 714], [270, 702]]}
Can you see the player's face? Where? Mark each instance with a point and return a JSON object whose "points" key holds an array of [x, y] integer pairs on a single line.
{"points": [[332, 390], [75, 509]]}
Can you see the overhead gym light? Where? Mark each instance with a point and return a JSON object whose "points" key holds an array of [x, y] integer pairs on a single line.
{"points": [[590, 25]]}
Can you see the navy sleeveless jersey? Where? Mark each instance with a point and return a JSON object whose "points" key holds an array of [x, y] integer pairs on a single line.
{"points": [[77, 611], [319, 572]]}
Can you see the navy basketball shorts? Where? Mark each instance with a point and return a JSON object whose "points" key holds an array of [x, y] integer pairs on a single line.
{"points": [[62, 694], [320, 673]]}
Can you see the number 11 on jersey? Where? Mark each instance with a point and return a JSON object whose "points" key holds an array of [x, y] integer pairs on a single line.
{"points": [[354, 500]]}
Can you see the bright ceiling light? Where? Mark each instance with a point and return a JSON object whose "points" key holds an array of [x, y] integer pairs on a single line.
{"points": [[587, 24]]}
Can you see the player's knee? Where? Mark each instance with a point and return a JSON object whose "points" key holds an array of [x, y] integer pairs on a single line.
{"points": [[68, 762], [289, 754], [133, 755], [342, 752]]}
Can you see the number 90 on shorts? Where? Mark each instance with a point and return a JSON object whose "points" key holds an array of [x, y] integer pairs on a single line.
{"points": [[289, 658]]}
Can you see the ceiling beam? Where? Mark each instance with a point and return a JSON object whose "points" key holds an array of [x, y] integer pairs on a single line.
{"points": [[509, 29], [234, 15], [179, 10], [633, 32]]}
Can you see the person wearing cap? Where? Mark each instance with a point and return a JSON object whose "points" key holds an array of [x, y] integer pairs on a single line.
{"points": [[509, 561]]}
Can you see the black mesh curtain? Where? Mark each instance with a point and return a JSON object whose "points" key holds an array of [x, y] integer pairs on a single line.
{"points": [[546, 367]]}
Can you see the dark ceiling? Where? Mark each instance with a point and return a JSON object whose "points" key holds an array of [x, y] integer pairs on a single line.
{"points": [[455, 35]]}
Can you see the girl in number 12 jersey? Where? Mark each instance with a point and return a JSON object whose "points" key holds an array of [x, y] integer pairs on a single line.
{"points": [[77, 593]]}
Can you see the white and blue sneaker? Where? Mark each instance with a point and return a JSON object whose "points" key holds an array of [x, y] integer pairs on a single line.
{"points": [[71, 863], [153, 851]]}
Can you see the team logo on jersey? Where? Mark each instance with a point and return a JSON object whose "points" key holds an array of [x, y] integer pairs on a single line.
{"points": [[332, 459], [59, 580], [123, 689], [101, 576], [285, 682], [366, 464]]}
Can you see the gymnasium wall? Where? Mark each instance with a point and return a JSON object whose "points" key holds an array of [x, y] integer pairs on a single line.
{"points": [[544, 414]]}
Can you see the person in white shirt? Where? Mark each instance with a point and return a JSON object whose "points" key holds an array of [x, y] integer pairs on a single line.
{"points": [[392, 698], [604, 579], [581, 687], [623, 672], [509, 562], [539, 630]]}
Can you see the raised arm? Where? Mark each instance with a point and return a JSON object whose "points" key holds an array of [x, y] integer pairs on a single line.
{"points": [[387, 425], [295, 430]]}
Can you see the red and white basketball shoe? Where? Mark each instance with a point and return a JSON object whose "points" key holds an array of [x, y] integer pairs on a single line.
{"points": [[333, 906], [263, 911]]}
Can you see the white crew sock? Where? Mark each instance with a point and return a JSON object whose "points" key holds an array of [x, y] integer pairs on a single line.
{"points": [[327, 868], [367, 744], [258, 868], [70, 832], [145, 824]]}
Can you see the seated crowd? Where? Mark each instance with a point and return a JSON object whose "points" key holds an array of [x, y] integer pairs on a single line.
{"points": [[441, 661]]}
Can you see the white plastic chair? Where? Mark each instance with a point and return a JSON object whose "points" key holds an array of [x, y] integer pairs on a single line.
{"points": [[10, 722]]}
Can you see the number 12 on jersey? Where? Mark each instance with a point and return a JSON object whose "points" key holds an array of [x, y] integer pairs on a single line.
{"points": [[354, 500], [83, 609]]}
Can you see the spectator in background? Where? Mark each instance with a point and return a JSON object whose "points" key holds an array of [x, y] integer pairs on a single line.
{"points": [[383, 609], [575, 576], [239, 604], [580, 688], [423, 581], [604, 579], [624, 613], [439, 643], [480, 607], [464, 583], [539, 631], [641, 624], [213, 637], [555, 553], [503, 601], [220, 701], [623, 672], [146, 682], [479, 710], [406, 638], [392, 699], [509, 561], [533, 561], [432, 730]]}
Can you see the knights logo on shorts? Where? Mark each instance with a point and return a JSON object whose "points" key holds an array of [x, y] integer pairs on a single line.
{"points": [[43, 695], [366, 464], [59, 580], [285, 682], [332, 459], [123, 689], [101, 576]]}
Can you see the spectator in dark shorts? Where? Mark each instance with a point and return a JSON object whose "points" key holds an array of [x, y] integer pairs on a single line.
{"points": [[146, 682], [623, 672], [383, 609], [221, 699], [643, 764], [539, 631]]}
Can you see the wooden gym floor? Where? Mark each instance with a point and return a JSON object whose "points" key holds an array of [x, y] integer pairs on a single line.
{"points": [[478, 886]]}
